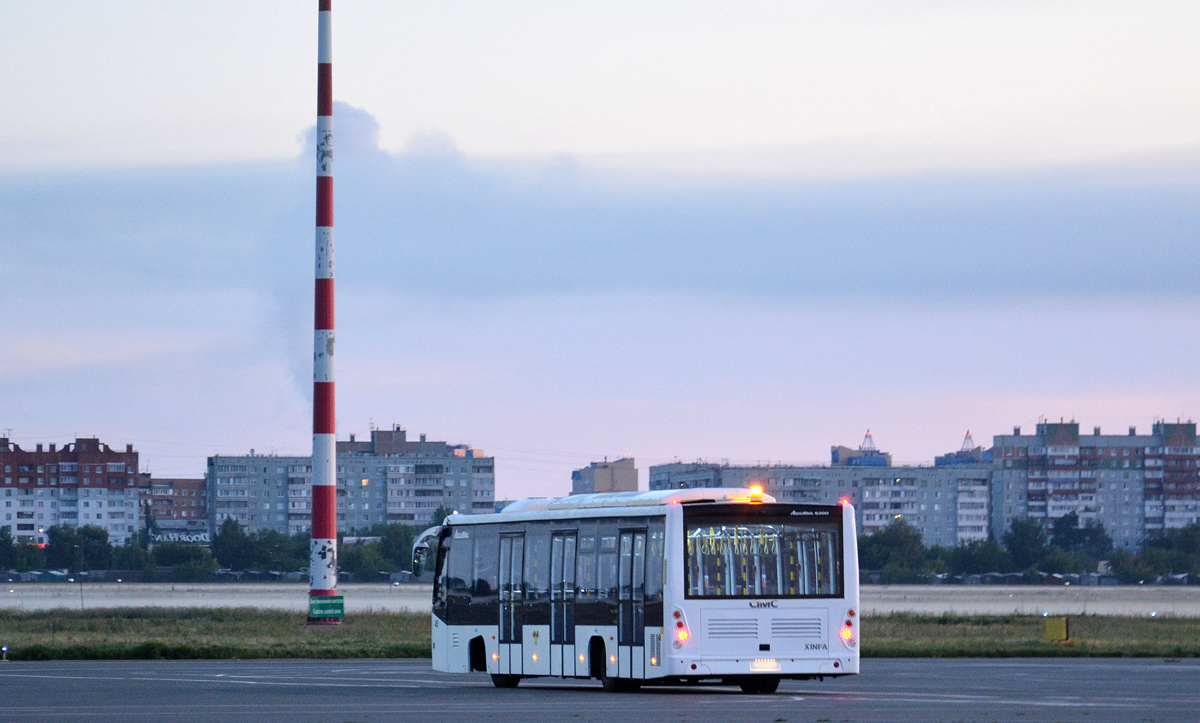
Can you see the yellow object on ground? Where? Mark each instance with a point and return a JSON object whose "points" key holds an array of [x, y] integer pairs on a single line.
{"points": [[1056, 630]]}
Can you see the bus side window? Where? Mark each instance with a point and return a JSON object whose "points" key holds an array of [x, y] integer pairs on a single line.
{"points": [[537, 563], [586, 564], [460, 563], [483, 574], [655, 571], [607, 583]]}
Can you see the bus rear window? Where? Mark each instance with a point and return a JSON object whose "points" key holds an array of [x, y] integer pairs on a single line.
{"points": [[751, 558]]}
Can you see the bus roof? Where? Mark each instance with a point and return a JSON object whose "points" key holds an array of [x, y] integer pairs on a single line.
{"points": [[655, 498]]}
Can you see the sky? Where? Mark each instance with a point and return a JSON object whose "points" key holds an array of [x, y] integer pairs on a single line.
{"points": [[668, 230]]}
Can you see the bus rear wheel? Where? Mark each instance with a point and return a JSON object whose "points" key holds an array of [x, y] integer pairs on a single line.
{"points": [[505, 681], [619, 685], [763, 684]]}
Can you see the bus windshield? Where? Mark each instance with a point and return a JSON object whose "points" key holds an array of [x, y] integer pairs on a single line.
{"points": [[777, 556]]}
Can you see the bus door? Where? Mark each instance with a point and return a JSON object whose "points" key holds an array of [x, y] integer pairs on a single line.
{"points": [[562, 603], [512, 571], [631, 605]]}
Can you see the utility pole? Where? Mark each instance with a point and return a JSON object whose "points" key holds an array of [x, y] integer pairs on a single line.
{"points": [[79, 574]]}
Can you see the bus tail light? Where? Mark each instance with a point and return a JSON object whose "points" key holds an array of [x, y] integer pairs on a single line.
{"points": [[848, 634], [681, 630]]}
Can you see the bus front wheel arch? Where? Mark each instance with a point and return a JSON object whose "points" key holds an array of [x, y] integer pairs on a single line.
{"points": [[597, 659], [478, 655]]}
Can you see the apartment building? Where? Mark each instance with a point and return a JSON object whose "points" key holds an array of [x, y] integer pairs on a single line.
{"points": [[178, 507], [1134, 484], [387, 479], [618, 476], [85, 482], [947, 503]]}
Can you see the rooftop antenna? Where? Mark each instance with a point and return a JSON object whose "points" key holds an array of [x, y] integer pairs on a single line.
{"points": [[868, 444], [968, 443]]}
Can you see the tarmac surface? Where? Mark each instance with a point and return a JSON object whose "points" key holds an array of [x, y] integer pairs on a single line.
{"points": [[336, 691], [1183, 601]]}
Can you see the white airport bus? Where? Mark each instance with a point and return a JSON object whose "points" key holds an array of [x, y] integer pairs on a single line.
{"points": [[674, 586]]}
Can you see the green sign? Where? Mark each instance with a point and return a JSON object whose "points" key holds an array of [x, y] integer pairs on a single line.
{"points": [[326, 607]]}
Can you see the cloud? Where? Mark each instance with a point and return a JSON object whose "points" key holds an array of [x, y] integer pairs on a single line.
{"points": [[355, 134], [433, 221]]}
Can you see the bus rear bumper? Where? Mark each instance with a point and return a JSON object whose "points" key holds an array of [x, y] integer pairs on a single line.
{"points": [[781, 667]]}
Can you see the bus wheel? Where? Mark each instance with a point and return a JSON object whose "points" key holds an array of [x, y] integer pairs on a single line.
{"points": [[612, 685], [505, 681], [620, 685], [765, 684]]}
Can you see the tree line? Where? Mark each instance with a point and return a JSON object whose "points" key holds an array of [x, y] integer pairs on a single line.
{"points": [[899, 555], [76, 549], [896, 551]]}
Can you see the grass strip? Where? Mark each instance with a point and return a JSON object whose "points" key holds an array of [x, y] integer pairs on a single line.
{"points": [[197, 633], [247, 633], [908, 635]]}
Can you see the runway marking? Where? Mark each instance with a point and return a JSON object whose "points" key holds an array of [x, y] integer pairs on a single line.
{"points": [[951, 699], [62, 677], [299, 684], [308, 676], [228, 680]]}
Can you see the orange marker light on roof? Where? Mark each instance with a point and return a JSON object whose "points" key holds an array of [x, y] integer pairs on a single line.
{"points": [[845, 500]]}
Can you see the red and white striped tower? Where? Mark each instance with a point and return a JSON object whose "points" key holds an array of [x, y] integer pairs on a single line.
{"points": [[323, 565]]}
